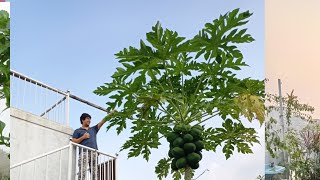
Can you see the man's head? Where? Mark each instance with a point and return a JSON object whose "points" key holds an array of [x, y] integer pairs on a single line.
{"points": [[85, 119]]}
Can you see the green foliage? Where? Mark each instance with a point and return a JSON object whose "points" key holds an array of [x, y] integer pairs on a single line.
{"points": [[162, 168], [232, 134], [301, 146], [4, 68], [3, 139], [260, 177], [170, 83]]}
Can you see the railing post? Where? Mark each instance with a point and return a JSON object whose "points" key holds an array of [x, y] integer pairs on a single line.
{"points": [[67, 108], [115, 168], [70, 170]]}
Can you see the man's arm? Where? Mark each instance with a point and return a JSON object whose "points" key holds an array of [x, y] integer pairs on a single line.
{"points": [[100, 124], [80, 139]]}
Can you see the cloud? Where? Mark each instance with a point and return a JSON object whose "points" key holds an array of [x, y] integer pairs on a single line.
{"points": [[239, 166]]}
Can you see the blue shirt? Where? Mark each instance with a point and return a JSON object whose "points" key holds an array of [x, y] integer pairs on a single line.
{"points": [[92, 141]]}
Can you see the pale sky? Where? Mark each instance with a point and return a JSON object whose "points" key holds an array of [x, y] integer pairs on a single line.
{"points": [[292, 48]]}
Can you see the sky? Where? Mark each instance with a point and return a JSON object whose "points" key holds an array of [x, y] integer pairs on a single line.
{"points": [[70, 45], [292, 49]]}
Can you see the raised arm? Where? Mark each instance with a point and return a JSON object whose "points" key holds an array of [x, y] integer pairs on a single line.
{"points": [[100, 124]]}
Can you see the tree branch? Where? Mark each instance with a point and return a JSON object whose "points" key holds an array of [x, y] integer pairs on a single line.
{"points": [[154, 77]]}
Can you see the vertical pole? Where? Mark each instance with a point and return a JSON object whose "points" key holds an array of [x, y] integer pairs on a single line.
{"points": [[282, 122], [34, 169], [91, 167], [281, 108], [24, 88], [115, 170], [47, 167], [67, 108], [104, 168], [60, 165], [70, 162], [83, 160], [20, 172], [11, 89], [108, 169], [116, 166], [35, 98], [17, 101], [112, 175], [45, 103], [96, 169]]}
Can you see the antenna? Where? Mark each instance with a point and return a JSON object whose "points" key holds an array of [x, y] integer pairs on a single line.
{"points": [[201, 174]]}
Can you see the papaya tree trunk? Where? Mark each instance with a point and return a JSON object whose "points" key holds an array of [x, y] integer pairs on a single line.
{"points": [[188, 173]]}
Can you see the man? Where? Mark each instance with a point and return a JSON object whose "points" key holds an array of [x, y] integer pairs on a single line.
{"points": [[87, 136]]}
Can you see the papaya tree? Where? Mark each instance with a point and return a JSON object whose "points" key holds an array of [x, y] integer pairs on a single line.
{"points": [[170, 86], [4, 68]]}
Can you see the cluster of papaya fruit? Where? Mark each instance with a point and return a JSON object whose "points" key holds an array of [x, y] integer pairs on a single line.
{"points": [[185, 146]]}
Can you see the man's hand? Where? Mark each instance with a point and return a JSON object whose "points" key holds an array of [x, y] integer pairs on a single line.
{"points": [[111, 113], [80, 139], [86, 136]]}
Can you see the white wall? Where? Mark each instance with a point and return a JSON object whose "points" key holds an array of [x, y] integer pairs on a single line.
{"points": [[297, 123], [33, 136]]}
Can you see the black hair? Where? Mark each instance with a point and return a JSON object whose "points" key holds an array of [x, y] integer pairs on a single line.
{"points": [[84, 116]]}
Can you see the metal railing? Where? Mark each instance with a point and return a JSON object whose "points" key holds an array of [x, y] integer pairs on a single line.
{"points": [[82, 163], [41, 99], [93, 164]]}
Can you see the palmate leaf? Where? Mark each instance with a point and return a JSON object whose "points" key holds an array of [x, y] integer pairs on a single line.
{"points": [[216, 36], [172, 80], [177, 175], [3, 139], [231, 135], [251, 106], [142, 142], [166, 45], [162, 168], [2, 126]]}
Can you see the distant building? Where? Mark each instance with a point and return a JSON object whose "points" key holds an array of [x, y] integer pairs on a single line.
{"points": [[296, 123]]}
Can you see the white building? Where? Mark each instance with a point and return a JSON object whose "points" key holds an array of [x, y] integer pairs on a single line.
{"points": [[40, 138], [296, 123]]}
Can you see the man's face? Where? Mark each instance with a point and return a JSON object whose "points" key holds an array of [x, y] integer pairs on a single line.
{"points": [[86, 122]]}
